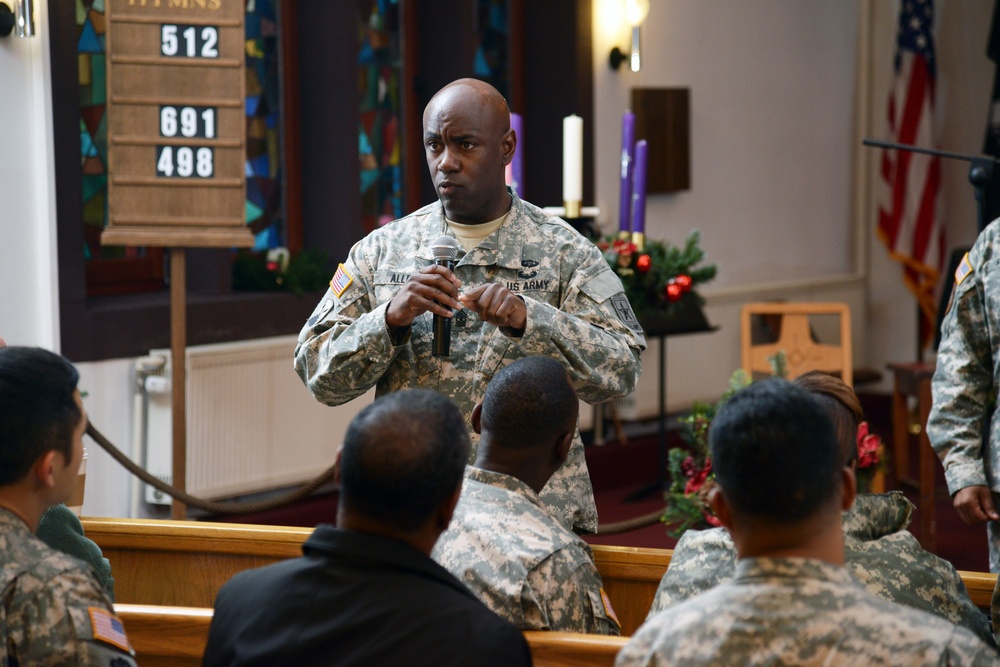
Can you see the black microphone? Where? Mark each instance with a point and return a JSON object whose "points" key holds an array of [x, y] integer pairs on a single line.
{"points": [[445, 250]]}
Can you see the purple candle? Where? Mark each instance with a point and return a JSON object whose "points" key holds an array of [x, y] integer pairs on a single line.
{"points": [[625, 187], [639, 189], [517, 162]]}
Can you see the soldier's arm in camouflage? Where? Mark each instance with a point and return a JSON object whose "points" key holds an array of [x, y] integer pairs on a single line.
{"points": [[702, 560], [346, 346], [961, 387], [57, 625], [600, 350], [568, 589]]}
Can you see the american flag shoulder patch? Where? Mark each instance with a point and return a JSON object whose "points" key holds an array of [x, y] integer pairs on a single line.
{"points": [[609, 609], [963, 270], [108, 628], [342, 279]]}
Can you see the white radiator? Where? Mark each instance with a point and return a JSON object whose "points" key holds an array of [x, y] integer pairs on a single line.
{"points": [[251, 424]]}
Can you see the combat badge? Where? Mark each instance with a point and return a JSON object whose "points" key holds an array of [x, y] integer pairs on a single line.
{"points": [[624, 311]]}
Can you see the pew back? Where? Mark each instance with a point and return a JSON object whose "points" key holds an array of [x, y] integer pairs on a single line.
{"points": [[184, 563], [176, 637]]}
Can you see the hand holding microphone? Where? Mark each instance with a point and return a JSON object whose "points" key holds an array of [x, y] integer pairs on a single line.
{"points": [[433, 289], [445, 250]]}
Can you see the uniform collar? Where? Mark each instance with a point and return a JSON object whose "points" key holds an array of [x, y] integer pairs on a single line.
{"points": [[501, 481]]}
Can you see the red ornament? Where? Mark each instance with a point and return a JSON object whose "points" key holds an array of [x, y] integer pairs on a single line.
{"points": [[643, 263], [684, 281], [272, 266], [673, 291]]}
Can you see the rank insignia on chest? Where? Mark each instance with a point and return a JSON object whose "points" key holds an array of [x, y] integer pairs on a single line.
{"points": [[460, 319]]}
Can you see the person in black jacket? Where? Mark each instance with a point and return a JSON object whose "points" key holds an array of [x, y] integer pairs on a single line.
{"points": [[366, 592]]}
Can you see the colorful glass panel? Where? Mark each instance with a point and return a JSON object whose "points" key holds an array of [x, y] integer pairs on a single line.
{"points": [[491, 63], [265, 212], [380, 106]]}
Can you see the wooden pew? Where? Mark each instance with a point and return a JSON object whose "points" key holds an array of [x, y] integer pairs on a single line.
{"points": [[176, 636], [166, 636], [185, 563]]}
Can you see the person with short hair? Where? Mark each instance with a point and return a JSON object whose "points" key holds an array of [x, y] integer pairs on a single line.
{"points": [[879, 550], [524, 283], [503, 543], [366, 592], [782, 486], [53, 608]]}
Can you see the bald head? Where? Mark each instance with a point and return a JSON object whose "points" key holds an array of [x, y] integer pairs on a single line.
{"points": [[468, 142]]}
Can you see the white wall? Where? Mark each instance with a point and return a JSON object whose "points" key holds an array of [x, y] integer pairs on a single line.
{"points": [[28, 269], [782, 92]]}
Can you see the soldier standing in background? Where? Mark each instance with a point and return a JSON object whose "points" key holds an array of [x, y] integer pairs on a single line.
{"points": [[963, 427], [531, 285]]}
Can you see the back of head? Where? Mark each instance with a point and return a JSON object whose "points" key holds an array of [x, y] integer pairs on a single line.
{"points": [[529, 403], [841, 405], [403, 456], [38, 412], [775, 452]]}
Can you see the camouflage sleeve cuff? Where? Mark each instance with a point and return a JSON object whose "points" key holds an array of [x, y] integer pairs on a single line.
{"points": [[962, 475], [385, 342]]}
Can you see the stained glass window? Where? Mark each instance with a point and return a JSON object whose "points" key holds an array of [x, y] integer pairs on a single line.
{"points": [[491, 62], [380, 130], [94, 129], [264, 206]]}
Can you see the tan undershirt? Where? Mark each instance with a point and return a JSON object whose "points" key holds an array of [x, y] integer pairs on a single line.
{"points": [[471, 235]]}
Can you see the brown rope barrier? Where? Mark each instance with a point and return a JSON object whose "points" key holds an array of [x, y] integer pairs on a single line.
{"points": [[629, 525], [615, 528], [208, 505]]}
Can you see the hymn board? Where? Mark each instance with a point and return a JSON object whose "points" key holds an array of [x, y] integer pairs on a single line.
{"points": [[176, 125], [176, 150]]}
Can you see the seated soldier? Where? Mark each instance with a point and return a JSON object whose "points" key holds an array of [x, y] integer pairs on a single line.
{"points": [[53, 608], [61, 529], [782, 485], [879, 550], [366, 592], [502, 543]]}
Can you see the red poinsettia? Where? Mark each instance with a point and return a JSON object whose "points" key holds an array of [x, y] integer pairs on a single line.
{"points": [[869, 445]]}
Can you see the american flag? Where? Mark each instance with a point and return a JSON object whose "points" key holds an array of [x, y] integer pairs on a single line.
{"points": [[909, 218]]}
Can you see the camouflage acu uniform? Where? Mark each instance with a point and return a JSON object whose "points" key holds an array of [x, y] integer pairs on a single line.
{"points": [[880, 553], [520, 561], [54, 611], [796, 611], [967, 378], [577, 313]]}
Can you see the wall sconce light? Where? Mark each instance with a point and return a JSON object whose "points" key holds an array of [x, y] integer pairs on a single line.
{"points": [[635, 13], [21, 21]]}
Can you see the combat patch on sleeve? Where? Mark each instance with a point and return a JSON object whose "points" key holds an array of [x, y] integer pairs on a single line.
{"points": [[624, 311], [963, 270], [342, 279], [108, 628]]}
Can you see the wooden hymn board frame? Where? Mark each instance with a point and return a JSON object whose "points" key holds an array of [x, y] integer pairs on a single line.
{"points": [[176, 150], [176, 124]]}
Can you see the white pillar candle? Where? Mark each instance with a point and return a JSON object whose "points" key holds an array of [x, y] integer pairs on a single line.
{"points": [[572, 159]]}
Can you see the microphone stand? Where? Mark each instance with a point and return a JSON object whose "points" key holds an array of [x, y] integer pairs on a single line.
{"points": [[980, 171]]}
